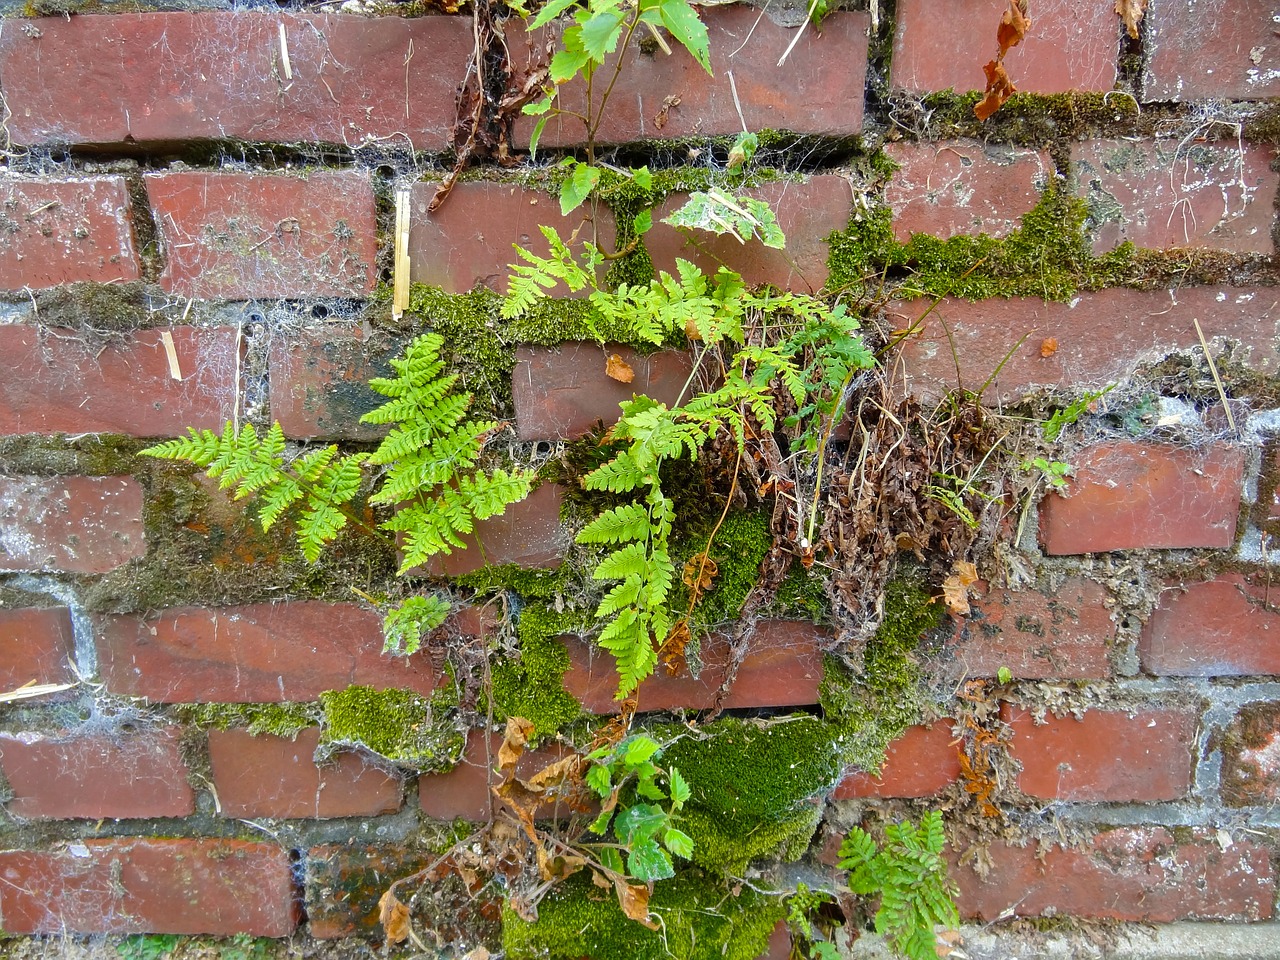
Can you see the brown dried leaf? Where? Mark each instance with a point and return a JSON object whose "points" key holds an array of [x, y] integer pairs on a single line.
{"points": [[1131, 12], [560, 777], [1013, 27], [633, 898], [519, 730], [618, 369], [999, 89], [699, 571], [599, 880], [1048, 346], [671, 653], [955, 589], [691, 329], [394, 917]]}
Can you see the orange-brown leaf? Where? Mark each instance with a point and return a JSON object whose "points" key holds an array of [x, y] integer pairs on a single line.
{"points": [[699, 571], [999, 89], [618, 369], [1013, 27], [691, 329], [394, 917], [633, 898], [1048, 346], [519, 730], [1131, 12], [671, 653], [955, 589]]}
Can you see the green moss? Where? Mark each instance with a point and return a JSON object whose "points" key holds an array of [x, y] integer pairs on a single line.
{"points": [[1032, 118], [803, 594], [98, 312], [754, 786], [402, 726], [697, 920], [533, 685], [96, 455], [276, 719], [529, 583], [739, 547]]}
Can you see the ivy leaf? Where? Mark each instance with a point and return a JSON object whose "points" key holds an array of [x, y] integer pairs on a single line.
{"points": [[642, 178], [680, 791], [648, 862], [639, 823], [550, 12], [643, 222], [639, 750], [578, 187], [678, 842], [598, 779], [683, 23]]}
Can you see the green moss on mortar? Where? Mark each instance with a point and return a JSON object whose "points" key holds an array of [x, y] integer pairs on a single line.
{"points": [[530, 583], [96, 455], [276, 719], [403, 726], [697, 920], [1032, 118], [739, 547], [533, 685]]}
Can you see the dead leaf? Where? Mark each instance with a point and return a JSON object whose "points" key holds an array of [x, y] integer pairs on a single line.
{"points": [[633, 898], [477, 953], [394, 917], [618, 369], [559, 778], [1013, 27], [691, 329], [599, 880], [947, 943], [519, 730], [1131, 12], [668, 102], [1048, 346], [955, 589], [999, 89], [699, 572], [671, 653]]}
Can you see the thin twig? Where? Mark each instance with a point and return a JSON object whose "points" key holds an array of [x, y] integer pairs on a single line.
{"points": [[1213, 368]]}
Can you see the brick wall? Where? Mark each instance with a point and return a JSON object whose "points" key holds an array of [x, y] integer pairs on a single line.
{"points": [[192, 236]]}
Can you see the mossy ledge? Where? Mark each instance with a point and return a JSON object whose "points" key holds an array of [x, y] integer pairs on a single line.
{"points": [[404, 727]]}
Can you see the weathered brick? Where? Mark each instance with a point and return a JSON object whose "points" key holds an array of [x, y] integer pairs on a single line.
{"points": [[1144, 755], [70, 524], [1218, 628], [528, 533], [820, 88], [463, 792], [560, 393], [1164, 194], [252, 654], [469, 241], [64, 231], [269, 776], [1202, 49], [1058, 635], [57, 385], [808, 212], [782, 668], [1251, 756], [319, 383], [1069, 47], [145, 885], [1129, 495], [962, 187], [1101, 337], [92, 776], [243, 235], [163, 77], [920, 763], [1131, 873], [343, 885], [36, 645]]}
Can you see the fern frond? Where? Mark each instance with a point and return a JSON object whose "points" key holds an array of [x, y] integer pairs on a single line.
{"points": [[619, 525], [624, 562], [276, 500], [619, 475], [200, 447], [319, 523]]}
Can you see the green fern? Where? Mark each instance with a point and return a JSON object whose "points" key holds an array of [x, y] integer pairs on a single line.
{"points": [[910, 875]]}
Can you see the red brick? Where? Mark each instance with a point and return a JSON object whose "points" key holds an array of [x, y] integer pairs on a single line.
{"points": [[344, 883], [56, 385], [560, 393], [70, 777], [961, 187], [64, 231], [319, 383], [920, 763], [783, 668], [1212, 49], [70, 524], [1218, 628], [252, 654], [463, 792], [243, 235], [820, 88], [528, 533], [1107, 755], [146, 885], [808, 212], [1102, 337], [1070, 46], [1163, 194], [163, 77], [1058, 635], [1129, 495], [1251, 756], [1131, 873], [469, 242], [36, 645], [268, 776]]}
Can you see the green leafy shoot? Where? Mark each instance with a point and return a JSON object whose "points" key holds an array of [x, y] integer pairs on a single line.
{"points": [[404, 626], [743, 149], [739, 217], [640, 800], [910, 876], [1052, 428]]}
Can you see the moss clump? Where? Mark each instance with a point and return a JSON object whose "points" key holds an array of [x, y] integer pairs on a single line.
{"points": [[99, 312], [1032, 118], [276, 719], [803, 594], [529, 583], [1048, 256], [533, 685], [400, 725], [96, 455], [697, 920], [753, 787], [739, 547]]}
